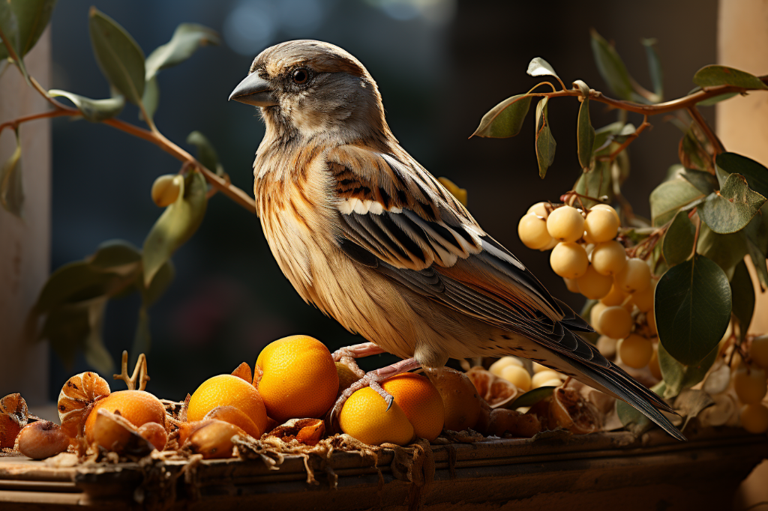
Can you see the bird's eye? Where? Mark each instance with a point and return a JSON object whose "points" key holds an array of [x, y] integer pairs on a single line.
{"points": [[300, 76]]}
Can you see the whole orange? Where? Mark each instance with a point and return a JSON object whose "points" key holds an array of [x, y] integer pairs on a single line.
{"points": [[136, 406], [366, 418], [300, 378], [420, 401], [228, 390]]}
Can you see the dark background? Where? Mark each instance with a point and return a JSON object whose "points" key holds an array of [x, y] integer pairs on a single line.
{"points": [[440, 65]]}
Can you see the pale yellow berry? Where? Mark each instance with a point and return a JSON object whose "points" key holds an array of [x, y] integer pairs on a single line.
{"points": [[653, 365], [518, 376], [759, 351], [589, 239], [635, 277], [615, 322], [594, 285], [750, 384], [609, 258], [614, 297], [594, 315], [540, 209], [643, 300], [549, 246], [166, 189], [605, 207], [537, 368], [635, 351], [503, 362], [601, 225], [754, 418], [565, 224], [539, 378], [533, 231], [650, 318], [606, 346], [555, 382], [569, 260], [571, 284]]}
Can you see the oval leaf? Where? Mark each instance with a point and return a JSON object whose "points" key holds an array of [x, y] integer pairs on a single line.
{"points": [[678, 241], [585, 133], [9, 29], [595, 182], [206, 154], [119, 57], [693, 308], [540, 67], [186, 40], [756, 173], [505, 119], [677, 376], [151, 98], [11, 186], [743, 293], [732, 208], [545, 142], [115, 254], [669, 197], [95, 352], [531, 397], [712, 76], [94, 110], [727, 250], [175, 226], [717, 99], [32, 17], [73, 282], [654, 68], [611, 67]]}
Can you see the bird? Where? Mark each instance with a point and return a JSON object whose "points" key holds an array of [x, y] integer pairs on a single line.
{"points": [[367, 235]]}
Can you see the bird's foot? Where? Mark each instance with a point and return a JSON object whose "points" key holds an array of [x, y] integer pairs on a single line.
{"points": [[348, 355], [371, 379]]}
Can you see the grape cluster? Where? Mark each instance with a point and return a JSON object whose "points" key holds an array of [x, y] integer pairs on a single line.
{"points": [[592, 262], [748, 382], [513, 370]]}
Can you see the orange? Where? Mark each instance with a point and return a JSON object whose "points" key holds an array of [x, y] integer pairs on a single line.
{"points": [[464, 408], [420, 401], [136, 406], [228, 390], [366, 418], [300, 378]]}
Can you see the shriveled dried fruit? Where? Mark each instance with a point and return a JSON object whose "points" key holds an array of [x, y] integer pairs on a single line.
{"points": [[115, 433], [513, 423], [236, 417], [76, 398], [244, 371], [464, 408], [212, 438], [570, 411], [305, 431], [155, 434], [495, 390], [42, 439], [13, 417]]}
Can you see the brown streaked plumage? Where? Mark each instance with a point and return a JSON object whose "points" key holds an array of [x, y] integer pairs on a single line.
{"points": [[372, 239]]}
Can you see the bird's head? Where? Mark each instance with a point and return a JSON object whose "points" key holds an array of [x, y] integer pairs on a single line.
{"points": [[312, 89]]}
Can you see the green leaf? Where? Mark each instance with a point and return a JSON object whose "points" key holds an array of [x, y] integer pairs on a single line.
{"points": [[654, 68], [206, 154], [9, 28], [151, 97], [119, 57], [545, 142], [74, 282], [727, 250], [94, 110], [759, 262], [717, 99], [755, 236], [731, 209], [96, 354], [540, 67], [712, 76], [505, 119], [693, 309], [611, 67], [690, 403], [634, 421], [32, 17], [677, 376], [186, 40], [743, 293], [604, 136], [678, 241], [595, 182], [705, 182], [669, 197], [756, 173], [11, 184], [175, 226], [159, 284], [530, 398], [142, 339], [692, 153], [585, 133], [66, 329], [115, 255]]}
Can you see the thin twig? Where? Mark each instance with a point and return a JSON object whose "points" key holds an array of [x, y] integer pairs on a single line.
{"points": [[629, 140], [44, 115]]}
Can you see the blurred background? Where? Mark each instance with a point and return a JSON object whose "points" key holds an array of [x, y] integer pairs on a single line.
{"points": [[440, 65]]}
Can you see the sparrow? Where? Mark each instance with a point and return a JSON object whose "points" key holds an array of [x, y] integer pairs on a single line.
{"points": [[367, 235]]}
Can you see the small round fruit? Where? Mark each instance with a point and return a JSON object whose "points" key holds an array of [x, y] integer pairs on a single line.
{"points": [[609, 258], [300, 378], [503, 362], [607, 346], [635, 277], [42, 439], [365, 417], [754, 418], [601, 225], [593, 285], [565, 224], [569, 260], [166, 189], [540, 378], [228, 390], [136, 406], [518, 376], [594, 315], [420, 401], [549, 246], [653, 365], [571, 284], [606, 207], [635, 351], [651, 320], [615, 322], [759, 351], [749, 384], [614, 297], [533, 232], [643, 300], [539, 209], [537, 368]]}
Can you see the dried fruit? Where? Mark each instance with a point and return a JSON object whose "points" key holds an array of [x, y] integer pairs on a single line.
{"points": [[42, 439], [513, 423], [114, 433], [76, 398], [212, 438], [494, 390], [236, 417], [570, 411], [13, 417], [155, 434], [464, 408], [305, 431]]}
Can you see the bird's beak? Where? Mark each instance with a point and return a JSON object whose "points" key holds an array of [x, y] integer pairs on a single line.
{"points": [[253, 90]]}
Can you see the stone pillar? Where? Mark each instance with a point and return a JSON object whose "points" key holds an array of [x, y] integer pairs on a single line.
{"points": [[25, 244]]}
